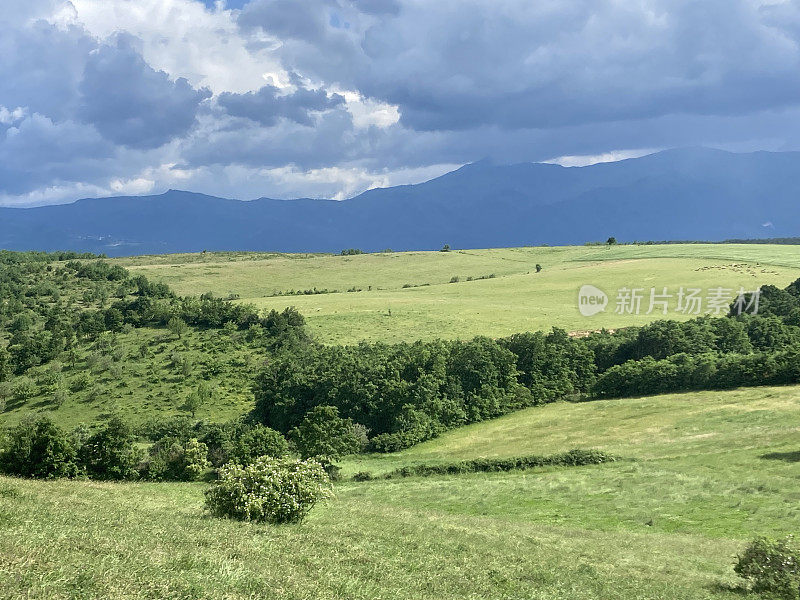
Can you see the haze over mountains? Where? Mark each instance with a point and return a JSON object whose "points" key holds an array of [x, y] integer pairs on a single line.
{"points": [[684, 194]]}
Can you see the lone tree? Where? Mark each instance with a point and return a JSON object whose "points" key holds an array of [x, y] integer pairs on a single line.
{"points": [[611, 241], [198, 398], [177, 326], [445, 248]]}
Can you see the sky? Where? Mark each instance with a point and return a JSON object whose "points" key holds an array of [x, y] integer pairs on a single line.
{"points": [[328, 98]]}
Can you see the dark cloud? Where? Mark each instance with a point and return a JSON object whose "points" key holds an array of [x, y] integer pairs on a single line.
{"points": [[267, 105], [514, 80], [40, 66], [461, 64], [132, 104], [329, 142], [37, 152]]}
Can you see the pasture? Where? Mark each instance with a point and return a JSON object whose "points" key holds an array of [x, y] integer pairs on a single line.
{"points": [[408, 296], [701, 474]]}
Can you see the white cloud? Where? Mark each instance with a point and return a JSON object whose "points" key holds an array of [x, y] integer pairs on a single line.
{"points": [[185, 39], [427, 85]]}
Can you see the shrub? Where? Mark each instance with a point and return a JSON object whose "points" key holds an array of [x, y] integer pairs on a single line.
{"points": [[573, 458], [772, 567], [38, 449], [259, 441], [181, 427], [24, 389], [81, 382], [110, 453], [59, 397], [195, 459], [270, 490], [170, 460], [324, 434]]}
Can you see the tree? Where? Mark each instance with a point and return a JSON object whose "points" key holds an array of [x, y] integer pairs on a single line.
{"points": [[259, 441], [39, 449], [611, 241], [177, 326], [445, 248], [111, 452], [5, 364], [324, 434], [199, 398]]}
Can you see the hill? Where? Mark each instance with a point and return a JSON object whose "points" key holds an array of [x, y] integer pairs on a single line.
{"points": [[409, 296], [702, 474], [695, 194]]}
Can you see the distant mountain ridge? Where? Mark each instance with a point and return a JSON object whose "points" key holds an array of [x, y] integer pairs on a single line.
{"points": [[688, 194]]}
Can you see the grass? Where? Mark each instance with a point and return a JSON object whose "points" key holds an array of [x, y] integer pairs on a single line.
{"points": [[142, 385], [704, 473], [515, 299]]}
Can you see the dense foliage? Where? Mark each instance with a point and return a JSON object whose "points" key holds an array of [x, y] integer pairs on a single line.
{"points": [[49, 307], [772, 567], [39, 449], [401, 394], [572, 458], [406, 393], [269, 490]]}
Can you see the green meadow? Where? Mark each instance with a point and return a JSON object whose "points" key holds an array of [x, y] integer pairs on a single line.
{"points": [[409, 296], [700, 474]]}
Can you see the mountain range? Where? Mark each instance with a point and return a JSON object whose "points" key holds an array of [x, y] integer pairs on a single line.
{"points": [[681, 194]]}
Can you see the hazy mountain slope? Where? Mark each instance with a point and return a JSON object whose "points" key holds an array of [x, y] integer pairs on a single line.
{"points": [[677, 194]]}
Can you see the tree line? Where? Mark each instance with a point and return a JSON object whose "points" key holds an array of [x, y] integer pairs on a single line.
{"points": [[406, 393]]}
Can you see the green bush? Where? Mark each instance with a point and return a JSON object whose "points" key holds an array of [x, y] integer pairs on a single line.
{"points": [[111, 452], [326, 435], [771, 567], [259, 441], [270, 490], [171, 460], [24, 389], [38, 449], [573, 458]]}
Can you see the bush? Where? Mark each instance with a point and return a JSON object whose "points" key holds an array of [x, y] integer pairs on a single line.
{"points": [[110, 453], [259, 441], [324, 434], [81, 382], [573, 458], [170, 460], [38, 449], [772, 567], [24, 389], [181, 427], [270, 490]]}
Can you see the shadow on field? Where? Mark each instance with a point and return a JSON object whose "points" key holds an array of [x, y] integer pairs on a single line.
{"points": [[725, 588], [784, 456]]}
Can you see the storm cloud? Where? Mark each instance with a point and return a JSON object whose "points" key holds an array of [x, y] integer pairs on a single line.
{"points": [[113, 96]]}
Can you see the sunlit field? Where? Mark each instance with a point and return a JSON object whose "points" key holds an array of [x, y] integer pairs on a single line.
{"points": [[515, 299], [699, 475]]}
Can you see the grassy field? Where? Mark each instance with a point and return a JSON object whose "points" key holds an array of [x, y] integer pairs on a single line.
{"points": [[515, 299], [702, 474], [147, 373]]}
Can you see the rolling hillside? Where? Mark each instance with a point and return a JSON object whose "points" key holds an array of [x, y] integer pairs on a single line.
{"points": [[408, 296], [701, 475], [688, 194]]}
